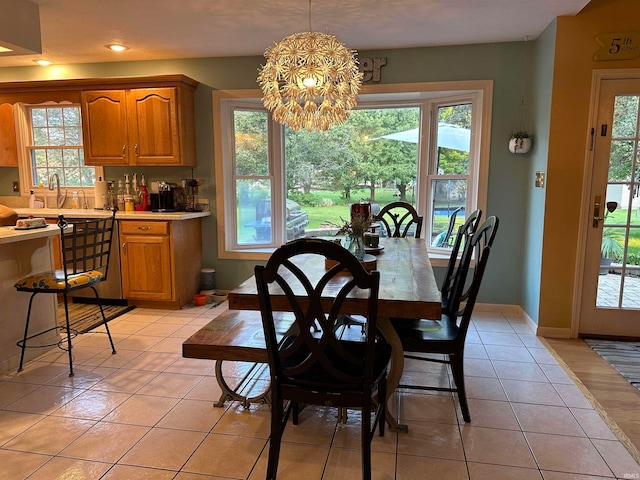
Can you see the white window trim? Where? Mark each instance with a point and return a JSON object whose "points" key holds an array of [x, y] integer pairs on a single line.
{"points": [[24, 161], [403, 94]]}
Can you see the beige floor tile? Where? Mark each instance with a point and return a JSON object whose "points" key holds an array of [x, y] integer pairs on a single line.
{"points": [[91, 405], [344, 463], [186, 331], [347, 436], [556, 374], [618, 459], [542, 355], [567, 454], [207, 389], [477, 367], [152, 361], [480, 471], [593, 424], [508, 353], [38, 373], [237, 420], [540, 393], [226, 456], [168, 345], [125, 327], [191, 366], [492, 414], [17, 465], [498, 447], [500, 338], [11, 391], [138, 342], [492, 325], [163, 448], [572, 396], [412, 468], [547, 419], [44, 400], [179, 320], [70, 468], [431, 440], [316, 425], [106, 442], [126, 472], [530, 372], [175, 385], [125, 381], [547, 475], [425, 379], [484, 388], [141, 410], [475, 350], [157, 329], [49, 436], [108, 359], [14, 423], [295, 460], [530, 340], [196, 476], [194, 415], [84, 376], [427, 408]]}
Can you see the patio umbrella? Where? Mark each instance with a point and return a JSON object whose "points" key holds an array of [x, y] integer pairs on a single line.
{"points": [[449, 136]]}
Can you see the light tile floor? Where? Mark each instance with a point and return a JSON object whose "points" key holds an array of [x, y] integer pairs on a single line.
{"points": [[146, 413]]}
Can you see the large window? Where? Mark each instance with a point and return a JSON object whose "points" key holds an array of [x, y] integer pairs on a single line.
{"points": [[275, 185], [51, 135]]}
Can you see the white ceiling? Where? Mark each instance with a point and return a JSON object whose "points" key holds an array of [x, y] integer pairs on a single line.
{"points": [[76, 31]]}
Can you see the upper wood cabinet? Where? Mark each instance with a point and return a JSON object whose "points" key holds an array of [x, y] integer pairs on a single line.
{"points": [[8, 148], [152, 126]]}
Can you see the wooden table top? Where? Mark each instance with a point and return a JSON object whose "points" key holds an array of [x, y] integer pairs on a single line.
{"points": [[408, 287]]}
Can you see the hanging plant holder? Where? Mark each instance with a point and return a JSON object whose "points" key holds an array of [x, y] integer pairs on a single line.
{"points": [[520, 144]]}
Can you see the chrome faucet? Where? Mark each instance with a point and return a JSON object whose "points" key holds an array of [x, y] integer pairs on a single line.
{"points": [[59, 197], [85, 205]]}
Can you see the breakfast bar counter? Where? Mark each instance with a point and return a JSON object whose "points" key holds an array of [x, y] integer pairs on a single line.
{"points": [[23, 252]]}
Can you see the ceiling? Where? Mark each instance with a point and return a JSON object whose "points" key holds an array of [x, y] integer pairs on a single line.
{"points": [[76, 31]]}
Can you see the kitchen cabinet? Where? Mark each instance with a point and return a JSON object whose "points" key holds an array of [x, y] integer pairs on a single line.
{"points": [[8, 148], [151, 126], [160, 262]]}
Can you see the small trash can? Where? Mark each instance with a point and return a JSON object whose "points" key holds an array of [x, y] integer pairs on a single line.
{"points": [[207, 279]]}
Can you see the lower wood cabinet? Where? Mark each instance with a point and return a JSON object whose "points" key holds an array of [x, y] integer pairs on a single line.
{"points": [[160, 261]]}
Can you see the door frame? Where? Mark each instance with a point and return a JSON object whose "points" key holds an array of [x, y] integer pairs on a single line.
{"points": [[598, 76]]}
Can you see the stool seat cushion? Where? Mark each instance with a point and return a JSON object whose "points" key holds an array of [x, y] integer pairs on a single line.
{"points": [[55, 281]]}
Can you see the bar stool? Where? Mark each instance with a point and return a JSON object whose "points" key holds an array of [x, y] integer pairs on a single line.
{"points": [[86, 248]]}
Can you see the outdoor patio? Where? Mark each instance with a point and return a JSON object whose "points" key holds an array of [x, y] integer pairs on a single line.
{"points": [[608, 291]]}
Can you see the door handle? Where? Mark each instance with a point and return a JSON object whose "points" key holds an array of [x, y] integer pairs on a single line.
{"points": [[597, 216]]}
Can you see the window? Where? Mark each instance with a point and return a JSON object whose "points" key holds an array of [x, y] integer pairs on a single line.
{"points": [[275, 185], [52, 138]]}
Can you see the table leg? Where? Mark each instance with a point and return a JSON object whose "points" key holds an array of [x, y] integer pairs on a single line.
{"points": [[395, 370], [231, 394]]}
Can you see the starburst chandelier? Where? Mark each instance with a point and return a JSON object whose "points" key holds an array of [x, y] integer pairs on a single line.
{"points": [[310, 80]]}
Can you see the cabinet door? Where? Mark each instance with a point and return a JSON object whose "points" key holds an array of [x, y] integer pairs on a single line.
{"points": [[104, 127], [153, 126], [8, 148], [146, 267]]}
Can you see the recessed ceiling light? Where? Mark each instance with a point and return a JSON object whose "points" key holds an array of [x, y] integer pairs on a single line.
{"points": [[43, 62], [117, 47]]}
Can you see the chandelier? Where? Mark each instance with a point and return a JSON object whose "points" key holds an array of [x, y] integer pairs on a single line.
{"points": [[310, 80]]}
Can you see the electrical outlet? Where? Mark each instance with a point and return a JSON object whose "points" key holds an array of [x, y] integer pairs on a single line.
{"points": [[540, 179], [16, 187]]}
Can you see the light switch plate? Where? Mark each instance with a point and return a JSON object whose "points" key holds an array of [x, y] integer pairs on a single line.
{"points": [[540, 179], [16, 187]]}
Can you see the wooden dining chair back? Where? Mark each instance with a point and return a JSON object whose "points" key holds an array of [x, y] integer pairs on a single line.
{"points": [[399, 219], [445, 338], [320, 361], [85, 252], [462, 237]]}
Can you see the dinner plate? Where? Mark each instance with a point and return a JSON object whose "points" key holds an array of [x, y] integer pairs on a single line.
{"points": [[377, 249], [31, 227]]}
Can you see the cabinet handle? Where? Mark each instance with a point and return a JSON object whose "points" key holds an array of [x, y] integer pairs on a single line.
{"points": [[124, 151], [135, 149], [144, 227], [124, 247]]}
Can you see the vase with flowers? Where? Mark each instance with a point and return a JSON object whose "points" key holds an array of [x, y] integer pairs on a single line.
{"points": [[353, 232]]}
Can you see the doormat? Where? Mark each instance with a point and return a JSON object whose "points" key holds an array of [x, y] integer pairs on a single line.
{"points": [[623, 356], [86, 316]]}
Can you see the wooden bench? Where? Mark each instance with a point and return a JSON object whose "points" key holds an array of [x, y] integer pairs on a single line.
{"points": [[236, 335]]}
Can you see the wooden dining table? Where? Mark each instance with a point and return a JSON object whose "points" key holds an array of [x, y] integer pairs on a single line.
{"points": [[408, 289]]}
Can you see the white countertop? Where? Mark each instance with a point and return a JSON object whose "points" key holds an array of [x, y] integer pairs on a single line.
{"points": [[11, 235], [91, 213]]}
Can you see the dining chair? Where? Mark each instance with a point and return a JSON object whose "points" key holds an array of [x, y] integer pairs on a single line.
{"points": [[398, 219], [319, 361], [462, 237], [85, 252], [444, 339]]}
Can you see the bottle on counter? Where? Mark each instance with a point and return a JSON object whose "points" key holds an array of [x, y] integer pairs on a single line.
{"points": [[120, 196], [128, 196], [32, 199], [75, 201], [145, 201]]}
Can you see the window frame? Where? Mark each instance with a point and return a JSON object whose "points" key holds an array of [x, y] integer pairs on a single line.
{"points": [[426, 95], [25, 142]]}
